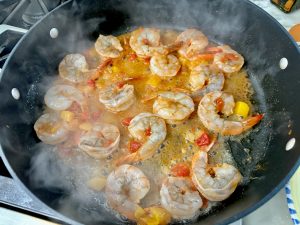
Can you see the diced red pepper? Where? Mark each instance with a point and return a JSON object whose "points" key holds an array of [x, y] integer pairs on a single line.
{"points": [[203, 140], [85, 116], [121, 84], [180, 170], [146, 41], [213, 50], [91, 83], [219, 104], [147, 60], [96, 115], [132, 57], [125, 122], [134, 146], [148, 131]]}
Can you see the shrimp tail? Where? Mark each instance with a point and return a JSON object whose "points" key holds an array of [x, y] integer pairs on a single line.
{"points": [[250, 122]]}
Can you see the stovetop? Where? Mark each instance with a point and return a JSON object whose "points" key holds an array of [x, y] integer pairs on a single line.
{"points": [[16, 17]]}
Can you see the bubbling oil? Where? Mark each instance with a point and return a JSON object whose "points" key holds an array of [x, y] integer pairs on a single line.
{"points": [[178, 146]]}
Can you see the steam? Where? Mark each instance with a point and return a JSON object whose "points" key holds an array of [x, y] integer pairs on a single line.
{"points": [[67, 176]]}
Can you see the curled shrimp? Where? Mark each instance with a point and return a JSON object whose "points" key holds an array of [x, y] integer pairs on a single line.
{"points": [[180, 197], [151, 140], [193, 42], [146, 42], [50, 129], [101, 141], [228, 60], [208, 110], [125, 187], [61, 97], [174, 107], [74, 68], [108, 46], [204, 80], [216, 183], [117, 98], [164, 65]]}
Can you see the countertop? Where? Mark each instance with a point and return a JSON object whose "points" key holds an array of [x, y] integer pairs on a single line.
{"points": [[274, 212]]}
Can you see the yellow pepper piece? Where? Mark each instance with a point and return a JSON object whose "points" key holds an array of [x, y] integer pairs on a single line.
{"points": [[139, 212], [241, 109], [115, 69], [85, 126], [161, 215], [154, 81], [152, 216], [67, 116]]}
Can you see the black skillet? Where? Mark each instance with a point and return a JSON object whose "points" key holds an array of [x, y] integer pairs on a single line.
{"points": [[247, 28]]}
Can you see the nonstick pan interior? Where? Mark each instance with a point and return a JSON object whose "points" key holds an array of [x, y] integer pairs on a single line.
{"points": [[261, 157]]}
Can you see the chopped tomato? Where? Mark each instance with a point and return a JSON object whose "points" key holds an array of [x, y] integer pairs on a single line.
{"points": [[220, 104], [125, 122], [96, 115], [132, 57], [91, 83], [147, 60], [180, 170], [203, 140], [229, 56], [145, 41], [85, 116], [206, 56], [148, 131], [134, 146], [121, 84], [213, 49]]}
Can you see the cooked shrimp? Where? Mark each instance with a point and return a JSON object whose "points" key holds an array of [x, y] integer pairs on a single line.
{"points": [[204, 80], [50, 129], [193, 42], [61, 97], [74, 68], [151, 141], [180, 197], [117, 98], [146, 42], [125, 187], [228, 60], [208, 113], [216, 183], [101, 141], [164, 66], [108, 46], [174, 107]]}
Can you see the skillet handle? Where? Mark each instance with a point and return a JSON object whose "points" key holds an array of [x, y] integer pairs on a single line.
{"points": [[13, 195], [5, 27]]}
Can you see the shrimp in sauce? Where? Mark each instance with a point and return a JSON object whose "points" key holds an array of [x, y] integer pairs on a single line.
{"points": [[101, 141], [146, 42], [125, 187], [117, 97], [208, 112], [61, 97], [216, 183], [164, 66], [180, 198], [74, 68], [228, 60], [108, 46], [174, 107], [148, 129], [204, 79], [51, 129]]}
